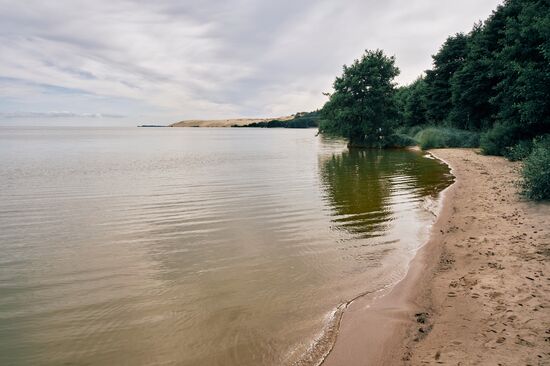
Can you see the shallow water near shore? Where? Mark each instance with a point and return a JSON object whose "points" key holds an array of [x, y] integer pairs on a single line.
{"points": [[165, 246]]}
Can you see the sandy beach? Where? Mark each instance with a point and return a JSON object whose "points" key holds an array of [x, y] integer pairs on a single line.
{"points": [[476, 293]]}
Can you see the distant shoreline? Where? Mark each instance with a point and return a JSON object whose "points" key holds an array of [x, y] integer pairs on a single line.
{"points": [[470, 292], [224, 122], [297, 120]]}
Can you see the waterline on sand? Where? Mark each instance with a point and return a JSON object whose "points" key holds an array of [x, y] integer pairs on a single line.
{"points": [[322, 345]]}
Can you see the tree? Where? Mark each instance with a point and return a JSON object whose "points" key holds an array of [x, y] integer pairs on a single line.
{"points": [[523, 93], [494, 80], [413, 104], [522, 64], [438, 80], [362, 107], [472, 85]]}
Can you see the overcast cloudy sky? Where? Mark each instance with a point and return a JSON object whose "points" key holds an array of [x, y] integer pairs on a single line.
{"points": [[161, 61]]}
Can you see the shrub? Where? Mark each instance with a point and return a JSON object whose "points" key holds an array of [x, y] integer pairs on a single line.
{"points": [[536, 171], [519, 151], [433, 137], [498, 139]]}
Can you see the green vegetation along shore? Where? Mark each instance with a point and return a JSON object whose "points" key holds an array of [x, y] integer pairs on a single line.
{"points": [[489, 88], [299, 120]]}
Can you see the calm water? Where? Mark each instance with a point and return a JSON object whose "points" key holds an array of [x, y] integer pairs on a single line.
{"points": [[195, 246]]}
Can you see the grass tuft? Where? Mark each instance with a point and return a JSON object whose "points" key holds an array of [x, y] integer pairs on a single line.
{"points": [[436, 137]]}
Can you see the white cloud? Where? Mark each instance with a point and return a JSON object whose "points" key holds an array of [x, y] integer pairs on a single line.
{"points": [[58, 114], [184, 59]]}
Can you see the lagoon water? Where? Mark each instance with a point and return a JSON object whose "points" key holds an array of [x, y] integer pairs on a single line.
{"points": [[182, 246]]}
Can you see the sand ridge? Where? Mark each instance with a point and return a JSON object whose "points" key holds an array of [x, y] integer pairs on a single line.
{"points": [[225, 122]]}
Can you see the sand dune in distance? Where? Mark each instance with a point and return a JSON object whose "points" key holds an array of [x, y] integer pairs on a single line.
{"points": [[224, 122]]}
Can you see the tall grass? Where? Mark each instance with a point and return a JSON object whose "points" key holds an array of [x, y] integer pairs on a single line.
{"points": [[400, 140], [435, 137]]}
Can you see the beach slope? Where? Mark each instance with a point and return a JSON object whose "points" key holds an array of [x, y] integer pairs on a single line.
{"points": [[476, 293]]}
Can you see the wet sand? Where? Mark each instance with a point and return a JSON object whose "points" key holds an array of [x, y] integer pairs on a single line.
{"points": [[476, 293]]}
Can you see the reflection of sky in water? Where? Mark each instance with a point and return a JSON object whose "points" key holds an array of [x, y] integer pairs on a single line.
{"points": [[193, 246]]}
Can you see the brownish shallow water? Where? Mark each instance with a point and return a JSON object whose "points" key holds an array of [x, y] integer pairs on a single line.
{"points": [[195, 246]]}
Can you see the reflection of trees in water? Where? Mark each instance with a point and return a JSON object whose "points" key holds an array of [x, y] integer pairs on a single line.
{"points": [[360, 185], [426, 177], [354, 186]]}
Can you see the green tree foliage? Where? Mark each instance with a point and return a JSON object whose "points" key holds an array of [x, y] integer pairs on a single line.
{"points": [[499, 138], [472, 85], [363, 106], [493, 81], [523, 92], [536, 170], [411, 103], [438, 80]]}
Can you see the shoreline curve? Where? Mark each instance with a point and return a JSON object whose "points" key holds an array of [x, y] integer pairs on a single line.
{"points": [[370, 301], [475, 293]]}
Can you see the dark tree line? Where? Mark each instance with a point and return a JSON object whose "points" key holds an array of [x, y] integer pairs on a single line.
{"points": [[299, 120], [495, 81]]}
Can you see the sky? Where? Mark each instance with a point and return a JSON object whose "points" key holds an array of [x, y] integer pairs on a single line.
{"points": [[137, 61]]}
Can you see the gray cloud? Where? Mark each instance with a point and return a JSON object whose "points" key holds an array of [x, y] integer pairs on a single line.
{"points": [[182, 59], [60, 114]]}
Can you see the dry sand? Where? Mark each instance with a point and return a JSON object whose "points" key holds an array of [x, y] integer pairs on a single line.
{"points": [[225, 122], [476, 294]]}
